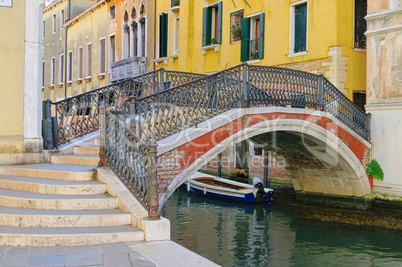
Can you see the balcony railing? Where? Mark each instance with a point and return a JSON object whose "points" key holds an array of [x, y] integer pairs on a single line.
{"points": [[127, 68]]}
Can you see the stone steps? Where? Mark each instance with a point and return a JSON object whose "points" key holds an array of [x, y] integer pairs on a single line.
{"points": [[50, 171], [68, 236], [18, 217], [61, 204], [84, 160], [51, 186]]}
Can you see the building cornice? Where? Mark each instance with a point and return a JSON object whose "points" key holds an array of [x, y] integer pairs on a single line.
{"points": [[384, 30], [86, 12], [384, 107], [382, 14], [52, 5]]}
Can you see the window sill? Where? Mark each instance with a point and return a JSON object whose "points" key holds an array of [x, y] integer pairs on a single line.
{"points": [[173, 57], [51, 87], [60, 85], [79, 81], [359, 49], [101, 76], [68, 83], [213, 46], [253, 61], [175, 8], [298, 54], [88, 79], [161, 59]]}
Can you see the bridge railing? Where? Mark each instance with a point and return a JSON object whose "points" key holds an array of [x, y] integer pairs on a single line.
{"points": [[171, 111], [168, 112], [79, 115], [132, 160]]}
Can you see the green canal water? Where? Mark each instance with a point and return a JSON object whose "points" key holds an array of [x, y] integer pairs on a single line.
{"points": [[268, 235]]}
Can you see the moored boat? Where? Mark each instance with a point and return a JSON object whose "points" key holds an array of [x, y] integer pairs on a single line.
{"points": [[212, 186]]}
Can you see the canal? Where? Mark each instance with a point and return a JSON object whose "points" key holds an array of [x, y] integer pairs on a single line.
{"points": [[267, 235]]}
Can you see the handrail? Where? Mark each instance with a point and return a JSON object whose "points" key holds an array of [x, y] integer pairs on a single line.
{"points": [[77, 116], [131, 160]]}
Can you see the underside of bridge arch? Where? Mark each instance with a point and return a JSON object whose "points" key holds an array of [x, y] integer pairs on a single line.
{"points": [[312, 164]]}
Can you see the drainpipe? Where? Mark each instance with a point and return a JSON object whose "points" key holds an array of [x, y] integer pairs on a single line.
{"points": [[154, 32]]}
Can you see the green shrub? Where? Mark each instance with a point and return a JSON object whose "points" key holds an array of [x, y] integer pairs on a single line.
{"points": [[374, 170]]}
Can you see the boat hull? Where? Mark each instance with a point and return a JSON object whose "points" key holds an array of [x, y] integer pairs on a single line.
{"points": [[245, 192]]}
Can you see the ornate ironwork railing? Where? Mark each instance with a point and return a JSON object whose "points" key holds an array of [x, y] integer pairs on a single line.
{"points": [[78, 115], [168, 112], [133, 161], [171, 111]]}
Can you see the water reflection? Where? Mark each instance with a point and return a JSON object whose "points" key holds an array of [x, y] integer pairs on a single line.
{"points": [[260, 235]]}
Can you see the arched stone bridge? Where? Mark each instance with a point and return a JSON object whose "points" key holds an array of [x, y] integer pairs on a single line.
{"points": [[322, 155]]}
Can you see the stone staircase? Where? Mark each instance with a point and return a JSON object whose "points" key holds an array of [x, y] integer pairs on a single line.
{"points": [[61, 204]]}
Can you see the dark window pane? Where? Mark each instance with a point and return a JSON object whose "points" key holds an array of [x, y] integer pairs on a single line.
{"points": [[300, 28], [360, 23]]}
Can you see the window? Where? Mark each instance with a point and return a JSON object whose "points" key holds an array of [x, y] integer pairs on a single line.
{"points": [[61, 69], [43, 73], [112, 12], [102, 56], [163, 34], [235, 25], [360, 24], [70, 66], [62, 19], [54, 23], [176, 36], [52, 70], [89, 60], [44, 29], [212, 25], [80, 62], [252, 37], [112, 49], [360, 100], [298, 28], [135, 37]]}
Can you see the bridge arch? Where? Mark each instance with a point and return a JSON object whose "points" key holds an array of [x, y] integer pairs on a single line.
{"points": [[332, 150]]}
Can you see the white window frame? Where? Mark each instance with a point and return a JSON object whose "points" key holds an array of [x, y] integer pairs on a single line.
{"points": [[80, 62], [110, 13], [53, 23], [52, 70], [62, 19], [112, 51], [61, 68], [102, 72], [292, 29], [89, 61], [176, 27], [69, 77]]}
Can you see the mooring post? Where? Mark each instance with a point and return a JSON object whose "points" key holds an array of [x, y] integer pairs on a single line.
{"points": [[47, 123], [265, 168], [220, 165], [153, 183]]}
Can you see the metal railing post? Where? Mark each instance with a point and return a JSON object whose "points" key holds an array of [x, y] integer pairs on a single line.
{"points": [[102, 134], [245, 86], [132, 112], [152, 183], [320, 93], [47, 124], [161, 79]]}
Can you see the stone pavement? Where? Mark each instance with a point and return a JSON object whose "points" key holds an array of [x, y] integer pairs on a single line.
{"points": [[141, 254]]}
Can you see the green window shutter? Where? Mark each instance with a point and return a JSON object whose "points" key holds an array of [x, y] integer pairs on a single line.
{"points": [[245, 39], [164, 36], [160, 34], [300, 28], [206, 25], [261, 28], [219, 34]]}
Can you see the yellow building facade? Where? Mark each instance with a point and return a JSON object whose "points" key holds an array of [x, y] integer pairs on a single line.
{"points": [[318, 36], [20, 72], [87, 51]]}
